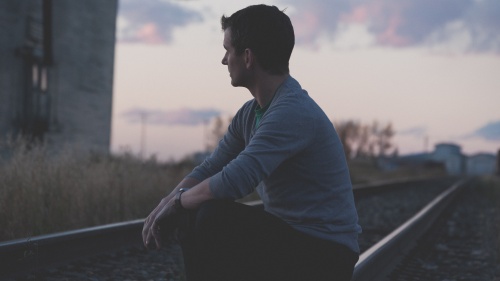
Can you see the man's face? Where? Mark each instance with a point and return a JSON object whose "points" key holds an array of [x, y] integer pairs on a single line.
{"points": [[235, 63]]}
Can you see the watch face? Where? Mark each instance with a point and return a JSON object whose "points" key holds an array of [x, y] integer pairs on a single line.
{"points": [[177, 202]]}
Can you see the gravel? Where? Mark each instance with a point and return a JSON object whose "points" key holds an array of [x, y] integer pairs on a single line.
{"points": [[380, 214], [134, 263], [464, 244]]}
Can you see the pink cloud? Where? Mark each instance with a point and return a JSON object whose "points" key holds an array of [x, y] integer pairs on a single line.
{"points": [[152, 21], [309, 26], [386, 20], [390, 35], [359, 14], [148, 33], [401, 23]]}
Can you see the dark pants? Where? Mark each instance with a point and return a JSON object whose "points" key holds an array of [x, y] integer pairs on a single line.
{"points": [[225, 240]]}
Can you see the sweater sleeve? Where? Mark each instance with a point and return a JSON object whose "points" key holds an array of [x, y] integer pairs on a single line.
{"points": [[284, 131]]}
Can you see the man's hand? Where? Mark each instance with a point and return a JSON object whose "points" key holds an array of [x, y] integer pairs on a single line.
{"points": [[166, 215]]}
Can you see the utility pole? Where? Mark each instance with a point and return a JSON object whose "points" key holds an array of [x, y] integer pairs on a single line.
{"points": [[498, 162], [144, 120], [206, 141]]}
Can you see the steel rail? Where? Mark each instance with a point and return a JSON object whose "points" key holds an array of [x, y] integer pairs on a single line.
{"points": [[376, 262], [22, 255]]}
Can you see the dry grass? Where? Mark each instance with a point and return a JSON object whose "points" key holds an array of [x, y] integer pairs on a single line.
{"points": [[72, 189], [41, 194]]}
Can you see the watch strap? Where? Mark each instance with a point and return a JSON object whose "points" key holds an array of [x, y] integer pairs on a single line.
{"points": [[178, 203]]}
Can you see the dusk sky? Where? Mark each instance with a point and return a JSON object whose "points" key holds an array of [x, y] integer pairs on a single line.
{"points": [[431, 68]]}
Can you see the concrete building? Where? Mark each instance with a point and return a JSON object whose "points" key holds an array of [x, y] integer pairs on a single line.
{"points": [[480, 164], [56, 71], [451, 156], [448, 155]]}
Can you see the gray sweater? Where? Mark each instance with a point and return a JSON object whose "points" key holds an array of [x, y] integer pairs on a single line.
{"points": [[295, 160]]}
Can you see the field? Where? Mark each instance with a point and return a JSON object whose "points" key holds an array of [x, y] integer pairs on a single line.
{"points": [[42, 194]]}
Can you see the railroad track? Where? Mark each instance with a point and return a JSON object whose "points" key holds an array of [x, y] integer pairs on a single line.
{"points": [[462, 244], [380, 259], [39, 257]]}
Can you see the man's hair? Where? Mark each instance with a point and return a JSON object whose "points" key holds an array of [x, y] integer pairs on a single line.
{"points": [[265, 30]]}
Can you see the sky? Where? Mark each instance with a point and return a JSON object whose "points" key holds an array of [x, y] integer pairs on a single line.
{"points": [[431, 68]]}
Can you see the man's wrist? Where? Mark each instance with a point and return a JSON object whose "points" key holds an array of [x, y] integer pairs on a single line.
{"points": [[177, 198]]}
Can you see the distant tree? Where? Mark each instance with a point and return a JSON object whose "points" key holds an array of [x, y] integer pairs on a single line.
{"points": [[365, 141], [363, 147], [395, 152], [217, 131], [383, 136], [348, 132]]}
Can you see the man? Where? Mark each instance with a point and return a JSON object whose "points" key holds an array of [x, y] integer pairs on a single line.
{"points": [[281, 143]]}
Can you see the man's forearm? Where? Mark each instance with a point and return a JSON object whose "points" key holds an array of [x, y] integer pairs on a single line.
{"points": [[185, 183], [196, 195]]}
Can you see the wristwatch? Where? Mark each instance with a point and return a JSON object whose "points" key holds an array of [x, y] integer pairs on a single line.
{"points": [[177, 202]]}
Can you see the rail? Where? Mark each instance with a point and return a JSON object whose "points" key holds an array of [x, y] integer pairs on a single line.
{"points": [[378, 260]]}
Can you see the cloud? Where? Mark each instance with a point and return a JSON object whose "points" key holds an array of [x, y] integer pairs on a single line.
{"points": [[483, 21], [490, 131], [151, 21], [316, 18], [403, 23], [181, 117]]}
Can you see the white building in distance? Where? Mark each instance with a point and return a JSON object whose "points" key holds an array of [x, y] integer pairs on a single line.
{"points": [[448, 155]]}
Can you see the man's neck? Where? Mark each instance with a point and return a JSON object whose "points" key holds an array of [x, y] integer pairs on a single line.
{"points": [[265, 87]]}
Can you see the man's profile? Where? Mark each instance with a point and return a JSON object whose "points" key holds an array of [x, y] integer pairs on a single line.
{"points": [[281, 144]]}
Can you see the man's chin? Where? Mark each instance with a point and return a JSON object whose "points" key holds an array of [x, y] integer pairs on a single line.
{"points": [[236, 83]]}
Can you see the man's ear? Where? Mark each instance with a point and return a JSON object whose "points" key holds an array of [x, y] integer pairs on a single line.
{"points": [[249, 58]]}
